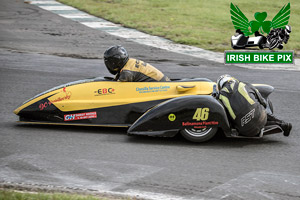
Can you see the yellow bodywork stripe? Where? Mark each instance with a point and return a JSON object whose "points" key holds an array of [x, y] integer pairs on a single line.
{"points": [[92, 95], [73, 124], [227, 105]]}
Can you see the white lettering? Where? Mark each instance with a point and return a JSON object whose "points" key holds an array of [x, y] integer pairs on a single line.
{"points": [[247, 57], [232, 58], [248, 117], [279, 57], [265, 57]]}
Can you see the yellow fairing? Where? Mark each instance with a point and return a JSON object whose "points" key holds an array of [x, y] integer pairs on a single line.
{"points": [[101, 94]]}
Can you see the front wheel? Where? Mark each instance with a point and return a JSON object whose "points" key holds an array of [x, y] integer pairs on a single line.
{"points": [[199, 135], [273, 43]]}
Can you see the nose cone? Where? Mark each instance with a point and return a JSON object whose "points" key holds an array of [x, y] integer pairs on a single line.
{"points": [[17, 111], [36, 107]]}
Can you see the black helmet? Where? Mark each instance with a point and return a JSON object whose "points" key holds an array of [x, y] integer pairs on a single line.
{"points": [[115, 58]]}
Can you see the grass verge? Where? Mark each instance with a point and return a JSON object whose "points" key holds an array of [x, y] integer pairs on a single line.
{"points": [[8, 194], [201, 23], [17, 195]]}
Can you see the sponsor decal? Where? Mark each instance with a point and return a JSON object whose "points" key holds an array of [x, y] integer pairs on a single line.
{"points": [[162, 88], [140, 63], [80, 116], [104, 91], [247, 118], [267, 34], [201, 114], [172, 117], [203, 124], [66, 95], [44, 105]]}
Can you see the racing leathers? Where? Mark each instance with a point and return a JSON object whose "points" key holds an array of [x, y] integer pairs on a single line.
{"points": [[245, 106], [279, 32], [139, 71]]}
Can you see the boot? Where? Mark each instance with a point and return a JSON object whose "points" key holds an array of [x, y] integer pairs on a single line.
{"points": [[286, 127]]}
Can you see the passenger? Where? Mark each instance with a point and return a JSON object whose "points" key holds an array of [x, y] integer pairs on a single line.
{"points": [[128, 69], [246, 107]]}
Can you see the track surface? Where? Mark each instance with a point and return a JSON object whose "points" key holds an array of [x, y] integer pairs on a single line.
{"points": [[106, 159]]}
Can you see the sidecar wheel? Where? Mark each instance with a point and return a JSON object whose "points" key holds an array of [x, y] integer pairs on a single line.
{"points": [[199, 135]]}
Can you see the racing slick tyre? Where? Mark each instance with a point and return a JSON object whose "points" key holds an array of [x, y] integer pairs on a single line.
{"points": [[273, 43], [199, 135], [261, 45]]}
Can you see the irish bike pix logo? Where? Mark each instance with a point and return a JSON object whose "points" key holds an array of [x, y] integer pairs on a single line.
{"points": [[260, 40]]}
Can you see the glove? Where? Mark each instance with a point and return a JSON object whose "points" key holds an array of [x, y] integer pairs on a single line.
{"points": [[215, 92]]}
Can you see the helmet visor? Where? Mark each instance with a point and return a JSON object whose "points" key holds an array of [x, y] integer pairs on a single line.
{"points": [[111, 66]]}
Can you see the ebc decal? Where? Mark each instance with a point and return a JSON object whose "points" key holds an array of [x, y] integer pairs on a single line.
{"points": [[105, 91]]}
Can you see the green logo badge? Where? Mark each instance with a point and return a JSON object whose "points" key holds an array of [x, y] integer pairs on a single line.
{"points": [[277, 34], [172, 117], [241, 22]]}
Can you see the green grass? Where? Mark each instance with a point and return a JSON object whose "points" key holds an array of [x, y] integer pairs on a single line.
{"points": [[14, 195], [200, 23]]}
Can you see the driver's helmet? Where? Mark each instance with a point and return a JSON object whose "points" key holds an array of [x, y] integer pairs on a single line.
{"points": [[223, 79], [287, 30], [115, 58]]}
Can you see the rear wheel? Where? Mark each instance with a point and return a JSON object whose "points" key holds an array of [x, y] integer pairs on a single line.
{"points": [[199, 135], [273, 43]]}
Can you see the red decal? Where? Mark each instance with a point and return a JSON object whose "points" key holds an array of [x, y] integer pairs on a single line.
{"points": [[80, 116], [42, 106], [200, 124], [67, 96]]}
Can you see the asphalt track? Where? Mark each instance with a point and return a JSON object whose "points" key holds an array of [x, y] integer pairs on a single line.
{"points": [[106, 159]]}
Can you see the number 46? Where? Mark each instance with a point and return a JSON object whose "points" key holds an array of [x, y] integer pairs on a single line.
{"points": [[201, 114]]}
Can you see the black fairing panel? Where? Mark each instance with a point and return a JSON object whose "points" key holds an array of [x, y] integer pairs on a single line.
{"points": [[265, 90], [124, 114], [160, 120]]}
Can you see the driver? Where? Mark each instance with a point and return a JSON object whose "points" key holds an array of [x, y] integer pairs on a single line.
{"points": [[128, 69], [246, 107], [283, 33]]}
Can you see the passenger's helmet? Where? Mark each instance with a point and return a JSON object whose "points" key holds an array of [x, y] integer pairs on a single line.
{"points": [[288, 29], [115, 58], [223, 79]]}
